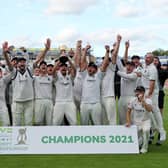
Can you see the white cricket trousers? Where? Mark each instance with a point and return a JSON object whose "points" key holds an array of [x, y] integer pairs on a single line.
{"points": [[22, 113], [109, 110], [91, 112], [67, 109], [156, 113], [143, 133], [122, 108], [4, 117], [43, 111]]}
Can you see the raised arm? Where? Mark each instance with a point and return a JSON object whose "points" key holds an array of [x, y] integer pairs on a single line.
{"points": [[116, 49], [127, 44], [88, 54], [41, 56], [78, 53], [106, 59], [57, 63], [131, 76], [73, 70], [5, 54], [83, 59]]}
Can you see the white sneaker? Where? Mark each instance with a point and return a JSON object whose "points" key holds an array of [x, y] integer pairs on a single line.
{"points": [[143, 151], [162, 136]]}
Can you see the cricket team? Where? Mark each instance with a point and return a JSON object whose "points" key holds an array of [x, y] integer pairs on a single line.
{"points": [[77, 91]]}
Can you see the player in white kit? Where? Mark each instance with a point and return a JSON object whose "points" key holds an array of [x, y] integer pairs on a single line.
{"points": [[140, 107], [128, 85], [149, 80], [107, 88], [8, 91], [43, 85], [91, 109], [4, 117], [77, 88], [64, 101], [23, 92]]}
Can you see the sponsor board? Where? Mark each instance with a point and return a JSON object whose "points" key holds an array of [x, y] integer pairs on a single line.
{"points": [[68, 140]]}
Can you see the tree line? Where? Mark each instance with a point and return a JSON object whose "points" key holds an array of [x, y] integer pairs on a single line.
{"points": [[160, 52]]}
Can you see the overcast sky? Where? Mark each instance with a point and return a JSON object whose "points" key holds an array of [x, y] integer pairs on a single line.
{"points": [[29, 22]]}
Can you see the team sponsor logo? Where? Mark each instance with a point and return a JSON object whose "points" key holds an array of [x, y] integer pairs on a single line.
{"points": [[22, 137]]}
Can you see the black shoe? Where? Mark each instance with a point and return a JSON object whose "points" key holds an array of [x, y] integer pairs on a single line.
{"points": [[150, 141]]}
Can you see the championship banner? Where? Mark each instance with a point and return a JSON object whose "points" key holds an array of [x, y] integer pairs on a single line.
{"points": [[68, 140]]}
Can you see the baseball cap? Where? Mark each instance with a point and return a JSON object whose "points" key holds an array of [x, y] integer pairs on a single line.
{"points": [[92, 64], [21, 59], [14, 59], [140, 89]]}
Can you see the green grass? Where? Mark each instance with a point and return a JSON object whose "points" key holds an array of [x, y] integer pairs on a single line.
{"points": [[157, 157]]}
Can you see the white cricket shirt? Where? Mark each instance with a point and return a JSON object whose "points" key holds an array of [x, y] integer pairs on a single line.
{"points": [[139, 112], [149, 72], [22, 86], [107, 88], [128, 83], [43, 87], [64, 88], [91, 87]]}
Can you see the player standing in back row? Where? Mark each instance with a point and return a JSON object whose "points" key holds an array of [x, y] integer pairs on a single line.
{"points": [[149, 80], [107, 88], [91, 109], [23, 91]]}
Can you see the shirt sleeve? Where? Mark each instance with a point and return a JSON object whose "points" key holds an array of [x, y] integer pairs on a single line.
{"points": [[148, 101], [153, 74], [9, 76], [130, 104], [131, 76]]}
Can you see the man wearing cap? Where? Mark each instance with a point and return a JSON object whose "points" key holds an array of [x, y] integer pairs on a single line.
{"points": [[64, 102], [43, 86], [140, 107], [22, 83], [149, 80], [50, 69], [128, 84], [91, 87]]}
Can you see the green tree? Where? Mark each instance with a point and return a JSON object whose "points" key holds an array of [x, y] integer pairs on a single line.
{"points": [[160, 52]]}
